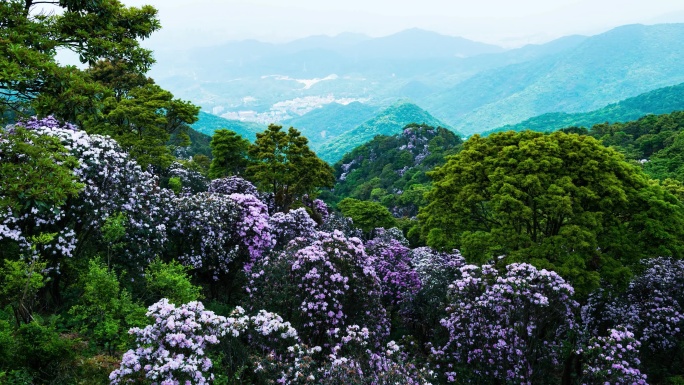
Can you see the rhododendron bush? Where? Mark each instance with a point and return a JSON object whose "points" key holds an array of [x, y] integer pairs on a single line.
{"points": [[507, 326], [612, 359], [321, 285], [112, 183], [210, 230], [172, 349]]}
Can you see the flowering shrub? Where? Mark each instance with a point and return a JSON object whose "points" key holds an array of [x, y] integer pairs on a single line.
{"points": [[423, 313], [321, 208], [507, 327], [392, 262], [352, 361], [321, 285], [291, 225], [652, 307], [612, 359], [113, 183], [232, 185], [338, 222], [434, 267], [36, 180], [173, 350], [211, 230], [34, 123], [191, 180]]}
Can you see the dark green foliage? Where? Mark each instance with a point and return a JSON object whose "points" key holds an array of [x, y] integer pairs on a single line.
{"points": [[199, 143], [229, 152], [43, 353], [104, 311], [562, 202], [175, 185], [113, 96], [96, 30], [366, 215], [653, 140], [19, 284], [283, 165], [139, 114], [142, 122], [392, 170], [35, 171]]}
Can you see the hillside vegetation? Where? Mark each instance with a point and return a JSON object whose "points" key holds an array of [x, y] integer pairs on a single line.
{"points": [[390, 121], [661, 101], [208, 123], [392, 169]]}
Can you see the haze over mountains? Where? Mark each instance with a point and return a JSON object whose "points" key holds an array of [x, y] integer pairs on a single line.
{"points": [[468, 86]]}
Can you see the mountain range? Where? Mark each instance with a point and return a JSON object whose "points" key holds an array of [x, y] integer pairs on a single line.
{"points": [[602, 69], [327, 86]]}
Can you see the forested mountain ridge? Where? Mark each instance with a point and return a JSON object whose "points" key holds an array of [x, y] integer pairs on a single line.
{"points": [[208, 123], [389, 121], [331, 120], [579, 79], [654, 141], [392, 169], [661, 101]]}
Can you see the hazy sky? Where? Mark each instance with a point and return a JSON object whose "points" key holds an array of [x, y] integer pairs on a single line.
{"points": [[504, 22]]}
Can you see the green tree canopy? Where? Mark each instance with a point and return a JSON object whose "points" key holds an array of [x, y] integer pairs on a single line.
{"points": [[35, 171], [31, 32], [283, 164], [561, 201], [142, 121], [229, 152], [113, 96], [366, 215]]}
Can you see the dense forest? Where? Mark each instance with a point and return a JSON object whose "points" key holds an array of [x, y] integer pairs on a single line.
{"points": [[134, 249]]}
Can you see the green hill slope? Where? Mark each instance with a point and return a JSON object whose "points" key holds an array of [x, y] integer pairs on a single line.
{"points": [[208, 123], [390, 121], [603, 69], [328, 122], [661, 101]]}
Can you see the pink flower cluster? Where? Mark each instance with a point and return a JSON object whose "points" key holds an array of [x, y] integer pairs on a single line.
{"points": [[393, 265], [211, 230]]}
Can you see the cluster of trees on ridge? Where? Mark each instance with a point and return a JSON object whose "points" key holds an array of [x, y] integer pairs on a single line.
{"points": [[571, 269]]}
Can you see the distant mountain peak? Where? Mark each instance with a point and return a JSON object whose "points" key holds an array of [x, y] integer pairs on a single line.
{"points": [[389, 121]]}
